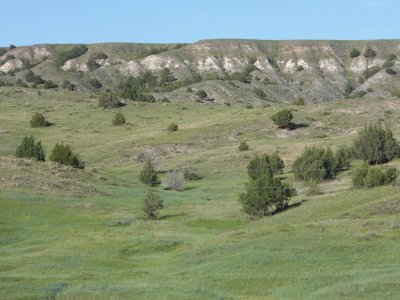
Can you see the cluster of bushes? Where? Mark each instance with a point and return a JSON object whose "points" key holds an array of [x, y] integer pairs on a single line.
{"points": [[61, 57], [265, 193], [367, 176], [31, 77], [369, 52], [31, 149], [64, 155], [48, 84], [166, 76], [320, 164], [244, 76], [136, 88], [61, 153]]}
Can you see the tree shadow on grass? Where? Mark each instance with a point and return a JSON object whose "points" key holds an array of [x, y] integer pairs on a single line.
{"points": [[289, 206], [294, 126], [170, 216]]}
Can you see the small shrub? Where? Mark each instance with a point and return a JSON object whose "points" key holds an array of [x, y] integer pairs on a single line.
{"points": [[249, 106], [190, 173], [172, 127], [390, 71], [93, 61], [259, 93], [282, 118], [369, 52], [227, 103], [313, 188], [367, 176], [243, 146], [38, 120], [67, 85], [29, 76], [165, 100], [388, 64], [376, 145], [49, 85], [299, 101], [151, 155], [201, 94], [152, 203], [30, 148], [20, 83], [148, 175], [392, 57], [37, 80], [355, 53], [95, 83], [300, 68], [109, 101], [63, 154], [189, 90], [118, 119], [12, 47], [175, 181]]}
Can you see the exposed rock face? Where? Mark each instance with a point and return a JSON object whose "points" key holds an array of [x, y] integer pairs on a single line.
{"points": [[316, 70]]}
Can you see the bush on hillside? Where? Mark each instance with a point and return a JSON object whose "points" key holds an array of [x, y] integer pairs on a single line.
{"points": [[282, 118], [67, 85], [243, 146], [31, 149], [20, 83], [152, 203], [299, 101], [376, 145], [37, 80], [166, 76], [265, 164], [63, 154], [93, 63], [319, 164], [190, 173], [367, 176], [49, 85], [61, 57], [259, 93], [95, 83], [390, 71], [202, 94], [175, 181], [109, 101], [118, 119], [29, 76], [355, 53], [369, 52], [38, 120], [148, 174], [172, 127]]}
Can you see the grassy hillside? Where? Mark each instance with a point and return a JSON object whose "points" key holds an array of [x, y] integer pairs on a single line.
{"points": [[81, 234]]}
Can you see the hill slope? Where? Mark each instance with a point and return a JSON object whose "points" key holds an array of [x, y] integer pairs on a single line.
{"points": [[318, 71]]}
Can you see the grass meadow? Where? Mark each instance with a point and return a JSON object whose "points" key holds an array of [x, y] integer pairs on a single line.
{"points": [[81, 234]]}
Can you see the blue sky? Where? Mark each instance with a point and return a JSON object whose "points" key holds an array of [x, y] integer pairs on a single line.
{"points": [[26, 22]]}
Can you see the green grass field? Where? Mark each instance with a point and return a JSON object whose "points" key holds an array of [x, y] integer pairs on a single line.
{"points": [[81, 234]]}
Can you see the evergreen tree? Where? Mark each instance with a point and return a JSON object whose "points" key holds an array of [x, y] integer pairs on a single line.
{"points": [[152, 203], [149, 175]]}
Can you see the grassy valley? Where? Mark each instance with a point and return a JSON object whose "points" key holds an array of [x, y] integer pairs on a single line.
{"points": [[68, 233]]}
